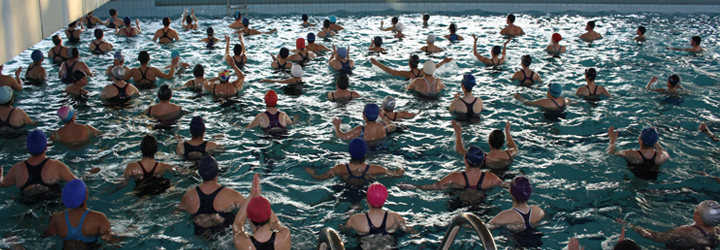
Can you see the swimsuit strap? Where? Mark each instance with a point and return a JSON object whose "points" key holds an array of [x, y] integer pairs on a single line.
{"points": [[556, 104], [418, 74], [333, 96], [367, 167], [525, 217], [207, 201], [144, 75], [701, 230], [594, 92], [7, 120], [479, 183], [467, 182]]}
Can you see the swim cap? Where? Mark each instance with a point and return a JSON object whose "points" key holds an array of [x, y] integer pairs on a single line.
{"points": [[246, 21], [118, 72], [555, 89], [429, 67], [258, 209], [311, 37], [208, 168], [36, 142], [300, 43], [431, 38], [174, 53], [126, 20], [36, 55], [71, 52], [709, 212], [284, 53], [468, 81], [296, 70], [357, 148], [78, 75], [377, 41], [399, 27], [649, 136], [332, 19], [414, 60], [496, 50], [627, 245], [556, 37], [371, 111], [674, 79], [74, 193], [197, 126], [210, 31], [66, 113], [119, 56], [305, 17], [98, 33], [388, 103], [377, 194], [591, 73], [6, 94], [224, 75], [520, 188], [475, 156], [271, 98], [237, 15], [342, 52], [426, 16], [526, 60]]}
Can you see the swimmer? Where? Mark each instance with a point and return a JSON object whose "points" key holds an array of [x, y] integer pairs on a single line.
{"points": [[268, 231], [281, 61], [38, 174], [148, 169], [210, 204], [523, 219], [425, 19], [129, 30], [58, 53], [247, 31], [526, 76], [35, 71], [196, 147], [496, 51], [305, 23], [673, 85], [474, 160], [398, 31], [340, 61], [554, 105], [372, 131], [326, 31], [497, 159], [342, 94], [640, 34], [118, 60], [651, 153], [312, 46], [91, 225], [191, 22], [427, 85], [511, 29], [393, 28], [356, 172], [166, 34], [413, 62], [272, 120], [296, 73], [99, 46], [694, 42], [145, 76], [376, 45], [238, 23], [114, 21], [197, 83], [702, 234], [119, 91], [387, 222], [592, 91], [465, 104], [71, 65], [72, 133], [225, 88], [303, 55], [80, 81], [165, 112], [453, 37], [704, 128], [91, 21], [554, 46], [622, 243], [389, 115], [239, 57], [15, 84], [590, 35], [210, 40], [333, 26], [430, 47], [72, 33], [15, 118]]}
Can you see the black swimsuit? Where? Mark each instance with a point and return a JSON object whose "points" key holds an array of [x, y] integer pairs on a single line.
{"points": [[470, 113], [593, 95], [377, 230], [165, 35], [191, 149], [35, 175], [68, 78], [97, 49], [528, 78], [149, 184], [345, 69], [555, 115], [207, 207], [529, 237], [71, 38], [268, 245], [89, 25], [333, 96], [392, 119], [239, 64], [58, 54], [6, 122], [479, 183], [122, 95]]}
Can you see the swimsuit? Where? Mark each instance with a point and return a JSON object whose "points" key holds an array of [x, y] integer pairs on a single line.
{"points": [[112, 23], [58, 54], [350, 173], [128, 33], [191, 149], [306, 57], [75, 233], [333, 96], [35, 175], [274, 121], [68, 78], [555, 115], [281, 67], [593, 95], [268, 245], [453, 38], [30, 70], [418, 74], [345, 69], [377, 230], [89, 24], [97, 49], [143, 76], [239, 64], [470, 113], [165, 35], [149, 184], [430, 90], [122, 95], [529, 237], [530, 78], [215, 86], [305, 26], [6, 122], [479, 183], [392, 119], [207, 207], [71, 38]]}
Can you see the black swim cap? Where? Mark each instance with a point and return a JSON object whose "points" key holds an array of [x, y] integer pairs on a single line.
{"points": [[591, 74], [496, 139], [496, 50], [210, 31], [627, 245], [394, 20], [149, 146], [511, 18], [526, 60], [113, 12], [414, 61], [78, 75], [237, 50], [56, 39], [208, 168], [143, 57], [453, 27], [305, 17], [164, 93], [674, 80], [188, 19], [198, 71], [591, 24], [326, 23], [377, 41], [98, 33], [697, 40], [166, 21], [642, 30], [342, 82], [426, 16], [284, 52]]}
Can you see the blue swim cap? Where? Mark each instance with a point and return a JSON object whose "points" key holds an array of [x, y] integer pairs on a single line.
{"points": [[371, 111], [520, 188], [6, 94], [197, 126], [237, 15], [119, 56], [475, 156], [333, 19], [246, 21], [357, 148], [555, 89], [174, 54], [36, 55], [311, 37], [36, 142], [496, 50], [649, 136], [208, 168], [74, 193], [126, 20], [342, 52], [468, 81]]}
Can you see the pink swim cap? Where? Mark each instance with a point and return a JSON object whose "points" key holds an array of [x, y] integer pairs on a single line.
{"points": [[377, 194]]}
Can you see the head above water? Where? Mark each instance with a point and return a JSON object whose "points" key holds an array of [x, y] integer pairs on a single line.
{"points": [[284, 53], [6, 95], [496, 139], [474, 157], [36, 142], [237, 49], [143, 57], [188, 19], [388, 103], [394, 20], [73, 53], [271, 98], [208, 168], [72, 24], [296, 70], [98, 33], [326, 24], [511, 18], [697, 40], [426, 17], [496, 50], [556, 37], [118, 73], [78, 75], [431, 39], [377, 194], [526, 60], [57, 40], [66, 113], [113, 12], [674, 80], [224, 75], [377, 41], [246, 22], [332, 19], [164, 93], [649, 136], [591, 74], [429, 68], [342, 82], [453, 28], [237, 15], [591, 25], [342, 52], [311, 37], [399, 27], [259, 210], [149, 146], [414, 61], [357, 149], [119, 56], [74, 193], [468, 82], [709, 212], [371, 111], [210, 31], [126, 21], [642, 30], [520, 189], [300, 43], [305, 17], [166, 21], [555, 90], [37, 56], [198, 71], [197, 127]]}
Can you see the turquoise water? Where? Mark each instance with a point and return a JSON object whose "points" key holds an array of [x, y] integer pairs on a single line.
{"points": [[579, 186]]}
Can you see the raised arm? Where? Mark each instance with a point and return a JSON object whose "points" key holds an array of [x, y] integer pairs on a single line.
{"points": [[505, 48], [512, 147], [703, 128], [444, 61], [652, 81], [172, 70], [459, 147], [612, 147], [17, 85]]}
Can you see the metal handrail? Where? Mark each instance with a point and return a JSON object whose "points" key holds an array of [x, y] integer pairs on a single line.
{"points": [[488, 242], [329, 239]]}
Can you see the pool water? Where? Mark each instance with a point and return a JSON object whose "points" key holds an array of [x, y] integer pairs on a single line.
{"points": [[579, 186]]}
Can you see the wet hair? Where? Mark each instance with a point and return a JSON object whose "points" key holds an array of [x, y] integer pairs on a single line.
{"points": [[591, 74], [143, 57], [394, 20], [188, 19], [78, 75], [113, 12], [98, 33], [426, 16], [237, 50], [342, 82], [56, 39], [149, 146], [166, 21], [199, 70], [284, 53], [326, 23], [674, 80], [357, 161], [642, 29], [453, 28], [74, 51], [627, 245], [496, 139], [697, 40], [164, 93], [591, 24], [414, 61], [72, 24], [511, 18]]}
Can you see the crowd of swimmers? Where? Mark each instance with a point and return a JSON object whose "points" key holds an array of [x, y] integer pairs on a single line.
{"points": [[214, 208]]}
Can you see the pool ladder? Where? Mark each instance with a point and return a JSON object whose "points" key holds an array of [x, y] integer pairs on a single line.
{"points": [[488, 242], [229, 7], [330, 240]]}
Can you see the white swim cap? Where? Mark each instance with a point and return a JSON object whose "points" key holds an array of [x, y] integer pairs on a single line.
{"points": [[297, 71], [431, 38], [429, 67], [399, 27], [388, 103], [118, 72], [709, 212]]}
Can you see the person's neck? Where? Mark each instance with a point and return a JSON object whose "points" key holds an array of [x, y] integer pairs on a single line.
{"points": [[374, 209], [590, 83], [144, 64], [200, 78], [494, 56], [82, 207], [99, 40], [468, 94], [38, 157], [148, 158], [197, 138], [271, 109], [166, 27], [495, 150], [520, 205], [165, 101], [525, 68]]}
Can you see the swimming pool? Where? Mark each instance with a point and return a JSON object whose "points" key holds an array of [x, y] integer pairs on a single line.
{"points": [[579, 186]]}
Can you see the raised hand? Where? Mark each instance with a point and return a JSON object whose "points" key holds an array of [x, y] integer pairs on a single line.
{"points": [[336, 122], [612, 134]]}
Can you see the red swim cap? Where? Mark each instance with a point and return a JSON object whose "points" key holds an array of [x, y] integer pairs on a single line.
{"points": [[377, 194], [300, 43], [556, 37], [258, 209], [271, 98]]}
